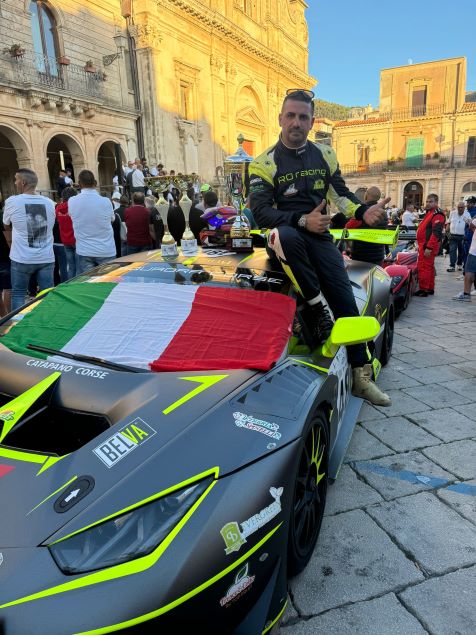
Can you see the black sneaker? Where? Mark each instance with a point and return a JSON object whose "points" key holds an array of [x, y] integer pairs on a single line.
{"points": [[322, 323], [451, 269]]}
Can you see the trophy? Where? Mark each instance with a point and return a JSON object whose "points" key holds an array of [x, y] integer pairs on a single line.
{"points": [[189, 242], [235, 170], [168, 246]]}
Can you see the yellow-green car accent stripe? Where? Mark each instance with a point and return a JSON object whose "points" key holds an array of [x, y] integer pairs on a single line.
{"points": [[51, 495], [168, 607], [17, 455], [206, 382], [319, 368], [133, 566], [14, 410], [276, 619]]}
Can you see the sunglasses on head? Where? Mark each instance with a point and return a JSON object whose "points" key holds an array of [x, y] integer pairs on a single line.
{"points": [[302, 92]]}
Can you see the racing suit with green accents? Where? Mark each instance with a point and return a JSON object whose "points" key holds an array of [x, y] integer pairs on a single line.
{"points": [[287, 183]]}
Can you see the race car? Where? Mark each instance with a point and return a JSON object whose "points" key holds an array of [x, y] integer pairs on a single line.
{"points": [[401, 265], [166, 441]]}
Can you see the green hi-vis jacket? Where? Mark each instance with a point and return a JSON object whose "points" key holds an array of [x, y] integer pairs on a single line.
{"points": [[286, 183]]}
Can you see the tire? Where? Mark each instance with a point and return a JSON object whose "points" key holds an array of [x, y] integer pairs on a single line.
{"points": [[387, 340], [310, 492]]}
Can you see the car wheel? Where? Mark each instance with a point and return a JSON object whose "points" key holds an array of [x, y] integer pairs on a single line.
{"points": [[387, 341], [310, 491]]}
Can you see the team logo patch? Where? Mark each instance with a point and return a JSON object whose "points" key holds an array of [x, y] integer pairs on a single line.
{"points": [[243, 420], [242, 583], [291, 191], [234, 537], [124, 441], [318, 185]]}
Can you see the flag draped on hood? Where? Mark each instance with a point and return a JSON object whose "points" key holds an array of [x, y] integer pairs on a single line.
{"points": [[164, 327]]}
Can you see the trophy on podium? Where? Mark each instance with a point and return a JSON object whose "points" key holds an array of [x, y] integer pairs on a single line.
{"points": [[168, 245], [189, 242], [235, 171]]}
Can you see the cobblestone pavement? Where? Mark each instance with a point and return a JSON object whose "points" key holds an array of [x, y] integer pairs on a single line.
{"points": [[397, 550]]}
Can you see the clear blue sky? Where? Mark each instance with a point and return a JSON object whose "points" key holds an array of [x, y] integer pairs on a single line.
{"points": [[351, 40]]}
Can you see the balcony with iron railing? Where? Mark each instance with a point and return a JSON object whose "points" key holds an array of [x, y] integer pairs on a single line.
{"points": [[408, 165], [400, 114], [33, 71]]}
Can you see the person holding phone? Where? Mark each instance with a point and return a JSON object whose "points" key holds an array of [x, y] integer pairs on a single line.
{"points": [[290, 184]]}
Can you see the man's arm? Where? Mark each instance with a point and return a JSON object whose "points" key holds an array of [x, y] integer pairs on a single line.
{"points": [[436, 236], [7, 232], [339, 194], [262, 201]]}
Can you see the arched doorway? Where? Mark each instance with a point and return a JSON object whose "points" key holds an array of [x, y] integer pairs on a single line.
{"points": [[250, 120], [413, 194], [13, 154], [107, 164], [469, 189], [63, 152]]}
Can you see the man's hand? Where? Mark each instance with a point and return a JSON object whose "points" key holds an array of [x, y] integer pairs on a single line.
{"points": [[316, 222], [376, 214], [427, 253]]}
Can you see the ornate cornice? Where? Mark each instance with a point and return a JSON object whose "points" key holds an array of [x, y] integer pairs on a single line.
{"points": [[217, 24], [146, 35]]}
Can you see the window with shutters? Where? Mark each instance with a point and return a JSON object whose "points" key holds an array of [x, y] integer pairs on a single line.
{"points": [[471, 152], [419, 101]]}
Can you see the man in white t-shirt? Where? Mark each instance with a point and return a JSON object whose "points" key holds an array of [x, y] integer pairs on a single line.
{"points": [[457, 221], [92, 216], [30, 217], [470, 267], [137, 180], [409, 217]]}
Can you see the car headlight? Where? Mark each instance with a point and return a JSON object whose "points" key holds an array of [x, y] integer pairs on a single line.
{"points": [[126, 537], [395, 281]]}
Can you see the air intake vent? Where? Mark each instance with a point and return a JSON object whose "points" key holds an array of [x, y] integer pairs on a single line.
{"points": [[281, 393]]}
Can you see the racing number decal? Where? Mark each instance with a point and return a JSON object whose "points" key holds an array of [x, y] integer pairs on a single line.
{"points": [[340, 368]]}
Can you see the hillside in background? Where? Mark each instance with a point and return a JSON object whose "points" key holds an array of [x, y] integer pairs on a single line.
{"points": [[329, 110]]}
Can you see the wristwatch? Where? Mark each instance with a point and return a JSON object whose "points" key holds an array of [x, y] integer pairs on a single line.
{"points": [[302, 221]]}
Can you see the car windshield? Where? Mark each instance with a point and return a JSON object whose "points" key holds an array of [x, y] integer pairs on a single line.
{"points": [[160, 316]]}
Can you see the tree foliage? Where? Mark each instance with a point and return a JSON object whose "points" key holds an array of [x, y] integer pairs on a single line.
{"points": [[329, 110]]}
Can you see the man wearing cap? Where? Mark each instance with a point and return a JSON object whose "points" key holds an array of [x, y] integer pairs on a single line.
{"points": [[289, 186]]}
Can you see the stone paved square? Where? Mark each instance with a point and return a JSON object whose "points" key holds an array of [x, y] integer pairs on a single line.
{"points": [[400, 434], [392, 486], [445, 604], [383, 615], [429, 358], [432, 533], [437, 375], [440, 394], [365, 446], [464, 504], [458, 457], [342, 570], [351, 493], [403, 404], [448, 424]]}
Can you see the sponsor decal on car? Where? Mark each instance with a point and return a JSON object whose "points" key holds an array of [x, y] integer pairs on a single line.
{"points": [[124, 441], [234, 537], [242, 583], [243, 420], [67, 368], [7, 415]]}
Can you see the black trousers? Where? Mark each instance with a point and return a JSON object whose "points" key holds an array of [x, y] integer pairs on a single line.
{"points": [[316, 265]]}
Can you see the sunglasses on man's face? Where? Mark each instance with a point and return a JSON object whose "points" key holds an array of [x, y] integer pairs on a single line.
{"points": [[308, 94]]}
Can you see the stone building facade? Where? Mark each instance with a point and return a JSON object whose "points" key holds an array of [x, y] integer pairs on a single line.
{"points": [[211, 69], [173, 80], [53, 108], [422, 139]]}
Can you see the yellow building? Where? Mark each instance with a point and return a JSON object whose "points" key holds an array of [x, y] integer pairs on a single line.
{"points": [[422, 138], [83, 81]]}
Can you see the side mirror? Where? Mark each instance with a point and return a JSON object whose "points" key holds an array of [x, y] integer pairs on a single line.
{"points": [[350, 330]]}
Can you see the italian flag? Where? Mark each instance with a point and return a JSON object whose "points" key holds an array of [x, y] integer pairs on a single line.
{"points": [[164, 327]]}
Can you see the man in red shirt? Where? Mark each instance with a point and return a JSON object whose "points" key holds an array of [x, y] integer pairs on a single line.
{"points": [[140, 227], [65, 225], [429, 237]]}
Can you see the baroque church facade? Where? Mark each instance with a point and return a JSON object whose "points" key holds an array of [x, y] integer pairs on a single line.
{"points": [[84, 82]]}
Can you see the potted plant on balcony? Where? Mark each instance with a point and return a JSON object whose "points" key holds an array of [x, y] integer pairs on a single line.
{"points": [[89, 67], [63, 60], [15, 50]]}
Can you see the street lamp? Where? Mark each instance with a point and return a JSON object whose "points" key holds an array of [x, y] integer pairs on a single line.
{"points": [[121, 44]]}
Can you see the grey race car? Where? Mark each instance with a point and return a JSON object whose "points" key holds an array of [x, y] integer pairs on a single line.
{"points": [[181, 498]]}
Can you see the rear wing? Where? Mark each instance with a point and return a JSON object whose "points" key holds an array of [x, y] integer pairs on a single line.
{"points": [[376, 236]]}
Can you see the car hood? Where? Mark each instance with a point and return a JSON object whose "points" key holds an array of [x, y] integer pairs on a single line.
{"points": [[163, 429]]}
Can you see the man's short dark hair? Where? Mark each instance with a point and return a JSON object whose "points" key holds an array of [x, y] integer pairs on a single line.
{"points": [[433, 196], [86, 179], [471, 199], [299, 95], [67, 193], [124, 200], [210, 198], [138, 198], [28, 176]]}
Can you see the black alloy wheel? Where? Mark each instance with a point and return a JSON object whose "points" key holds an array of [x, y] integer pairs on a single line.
{"points": [[387, 340], [310, 492]]}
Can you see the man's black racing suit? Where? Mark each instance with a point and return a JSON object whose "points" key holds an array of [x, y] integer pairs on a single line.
{"points": [[284, 185]]}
